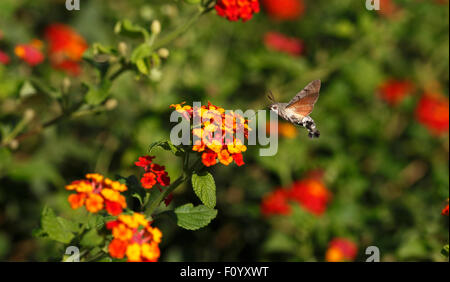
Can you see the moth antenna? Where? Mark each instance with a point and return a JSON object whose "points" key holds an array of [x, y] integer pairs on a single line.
{"points": [[270, 96]]}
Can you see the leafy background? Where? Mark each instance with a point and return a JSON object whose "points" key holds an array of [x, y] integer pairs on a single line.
{"points": [[388, 174]]}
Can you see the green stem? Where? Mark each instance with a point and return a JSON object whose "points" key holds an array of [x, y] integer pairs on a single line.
{"points": [[185, 176], [177, 32]]}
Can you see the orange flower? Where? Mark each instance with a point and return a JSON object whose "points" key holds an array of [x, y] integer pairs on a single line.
{"points": [[117, 248], [66, 48], [433, 112], [340, 250], [209, 158], [134, 237], [96, 193], [225, 157]]}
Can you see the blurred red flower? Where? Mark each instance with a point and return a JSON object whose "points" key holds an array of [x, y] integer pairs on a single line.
{"points": [[234, 10], [311, 194], [30, 53], [445, 210], [66, 48], [388, 8], [432, 111], [276, 203], [4, 58], [394, 91], [340, 250], [278, 42], [284, 9]]}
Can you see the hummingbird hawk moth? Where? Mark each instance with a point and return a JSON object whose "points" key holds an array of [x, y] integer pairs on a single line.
{"points": [[297, 111]]}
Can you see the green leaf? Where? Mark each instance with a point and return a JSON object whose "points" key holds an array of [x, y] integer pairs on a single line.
{"points": [[97, 95], [193, 218], [205, 188], [91, 239], [57, 228], [141, 52], [168, 146], [142, 66], [445, 250]]}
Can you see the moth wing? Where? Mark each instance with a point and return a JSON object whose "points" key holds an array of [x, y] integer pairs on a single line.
{"points": [[303, 102]]}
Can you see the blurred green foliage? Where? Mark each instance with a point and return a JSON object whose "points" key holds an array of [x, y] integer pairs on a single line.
{"points": [[388, 175]]}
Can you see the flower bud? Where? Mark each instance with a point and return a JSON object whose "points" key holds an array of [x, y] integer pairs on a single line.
{"points": [[123, 48], [28, 115], [111, 104], [163, 53], [156, 27]]}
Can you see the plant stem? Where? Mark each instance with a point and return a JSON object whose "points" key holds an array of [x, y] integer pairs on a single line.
{"points": [[177, 32], [185, 176]]}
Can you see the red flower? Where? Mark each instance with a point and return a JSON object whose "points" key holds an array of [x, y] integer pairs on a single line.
{"points": [[4, 58], [238, 159], [281, 43], [432, 111], [284, 9], [341, 249], [66, 48], [388, 8], [154, 174], [394, 91], [311, 194], [276, 203], [144, 161], [29, 53], [209, 158], [234, 10], [445, 210], [148, 180]]}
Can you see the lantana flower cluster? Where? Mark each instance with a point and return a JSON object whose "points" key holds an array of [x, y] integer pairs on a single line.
{"points": [[284, 10], [216, 136], [309, 193], [97, 193], [234, 10], [135, 238], [154, 173], [65, 48], [341, 250]]}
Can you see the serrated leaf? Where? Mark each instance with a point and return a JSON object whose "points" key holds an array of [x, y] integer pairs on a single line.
{"points": [[193, 218], [205, 188], [57, 228], [91, 239]]}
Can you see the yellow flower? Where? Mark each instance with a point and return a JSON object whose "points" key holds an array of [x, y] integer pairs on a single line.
{"points": [[134, 252]]}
